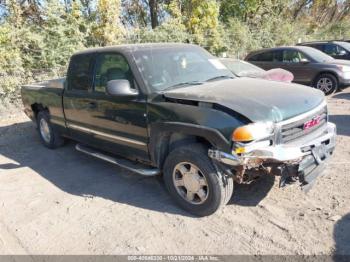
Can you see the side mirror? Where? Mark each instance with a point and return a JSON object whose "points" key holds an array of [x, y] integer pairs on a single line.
{"points": [[120, 88], [342, 52], [304, 61]]}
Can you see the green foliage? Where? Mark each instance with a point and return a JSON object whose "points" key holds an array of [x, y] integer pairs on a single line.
{"points": [[12, 71], [338, 30], [107, 29], [32, 52], [37, 38], [240, 9], [171, 31]]}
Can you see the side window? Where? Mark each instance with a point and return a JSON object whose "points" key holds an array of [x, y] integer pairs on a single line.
{"points": [[253, 58], [333, 49], [79, 75], [342, 51], [111, 67], [292, 56], [274, 56], [277, 56], [265, 57], [262, 57]]}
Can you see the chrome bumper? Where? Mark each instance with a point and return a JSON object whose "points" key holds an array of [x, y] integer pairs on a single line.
{"points": [[320, 140]]}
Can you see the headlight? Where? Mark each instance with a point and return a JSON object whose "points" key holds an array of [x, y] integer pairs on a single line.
{"points": [[344, 68], [251, 132], [345, 71]]}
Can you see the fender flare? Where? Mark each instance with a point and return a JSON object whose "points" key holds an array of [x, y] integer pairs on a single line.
{"points": [[161, 132]]}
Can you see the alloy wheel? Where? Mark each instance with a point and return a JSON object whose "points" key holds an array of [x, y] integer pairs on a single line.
{"points": [[190, 183], [325, 84], [45, 130]]}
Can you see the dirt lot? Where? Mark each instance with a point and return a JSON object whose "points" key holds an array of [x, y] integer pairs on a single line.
{"points": [[64, 202]]}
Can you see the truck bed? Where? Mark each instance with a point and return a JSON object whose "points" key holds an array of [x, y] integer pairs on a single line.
{"points": [[46, 94]]}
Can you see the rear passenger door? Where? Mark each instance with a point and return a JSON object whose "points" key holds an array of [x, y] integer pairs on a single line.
{"points": [[266, 60], [78, 99]]}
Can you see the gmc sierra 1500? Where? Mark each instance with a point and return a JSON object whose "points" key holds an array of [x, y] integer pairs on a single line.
{"points": [[175, 110]]}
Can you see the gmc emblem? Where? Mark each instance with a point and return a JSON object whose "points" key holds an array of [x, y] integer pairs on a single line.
{"points": [[311, 123]]}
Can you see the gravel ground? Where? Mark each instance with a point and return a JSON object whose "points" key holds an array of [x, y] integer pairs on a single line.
{"points": [[64, 202]]}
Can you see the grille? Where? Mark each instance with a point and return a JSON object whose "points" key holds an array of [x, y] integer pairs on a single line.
{"points": [[295, 130]]}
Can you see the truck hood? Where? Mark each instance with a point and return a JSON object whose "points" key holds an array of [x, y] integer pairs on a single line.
{"points": [[256, 99]]}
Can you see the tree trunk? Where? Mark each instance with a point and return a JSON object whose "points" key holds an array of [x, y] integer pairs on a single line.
{"points": [[153, 7]]}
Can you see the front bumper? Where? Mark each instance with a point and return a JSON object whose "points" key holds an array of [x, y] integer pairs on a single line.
{"points": [[306, 155], [344, 80]]}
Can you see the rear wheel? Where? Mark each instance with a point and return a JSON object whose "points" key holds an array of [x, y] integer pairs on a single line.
{"points": [[49, 137], [194, 182], [327, 83]]}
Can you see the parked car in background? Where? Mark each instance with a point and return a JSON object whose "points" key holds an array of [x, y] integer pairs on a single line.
{"points": [[335, 49], [244, 69], [308, 65], [175, 110]]}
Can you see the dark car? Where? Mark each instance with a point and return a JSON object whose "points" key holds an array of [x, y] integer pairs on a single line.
{"points": [[175, 110], [335, 49], [308, 65], [244, 69]]}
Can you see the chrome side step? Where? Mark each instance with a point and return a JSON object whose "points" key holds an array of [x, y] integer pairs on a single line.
{"points": [[124, 163]]}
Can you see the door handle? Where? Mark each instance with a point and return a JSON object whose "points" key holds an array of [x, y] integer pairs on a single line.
{"points": [[92, 105]]}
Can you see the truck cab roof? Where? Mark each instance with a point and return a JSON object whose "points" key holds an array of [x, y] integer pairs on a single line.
{"points": [[134, 47]]}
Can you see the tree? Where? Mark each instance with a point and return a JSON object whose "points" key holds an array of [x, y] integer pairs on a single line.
{"points": [[143, 13], [108, 28], [63, 32], [200, 19], [134, 13], [321, 12], [37, 37], [153, 8], [240, 9], [11, 63]]}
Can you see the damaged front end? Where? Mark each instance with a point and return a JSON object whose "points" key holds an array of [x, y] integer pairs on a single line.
{"points": [[295, 149]]}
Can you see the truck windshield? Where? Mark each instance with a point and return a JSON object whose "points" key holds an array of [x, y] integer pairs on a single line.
{"points": [[170, 67], [241, 68]]}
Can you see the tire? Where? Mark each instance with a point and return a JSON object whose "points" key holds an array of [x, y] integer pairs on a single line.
{"points": [[48, 136], [327, 83], [193, 181]]}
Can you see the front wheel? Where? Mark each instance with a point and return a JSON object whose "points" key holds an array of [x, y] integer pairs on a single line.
{"points": [[194, 182], [327, 83]]}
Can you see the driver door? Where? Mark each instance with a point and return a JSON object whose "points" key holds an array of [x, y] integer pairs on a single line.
{"points": [[120, 122], [294, 62]]}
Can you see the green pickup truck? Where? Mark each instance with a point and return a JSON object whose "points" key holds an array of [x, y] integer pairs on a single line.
{"points": [[175, 110]]}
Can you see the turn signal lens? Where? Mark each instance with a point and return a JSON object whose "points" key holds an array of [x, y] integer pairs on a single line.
{"points": [[242, 134], [253, 132]]}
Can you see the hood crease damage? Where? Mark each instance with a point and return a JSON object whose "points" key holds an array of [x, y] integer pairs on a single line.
{"points": [[257, 100]]}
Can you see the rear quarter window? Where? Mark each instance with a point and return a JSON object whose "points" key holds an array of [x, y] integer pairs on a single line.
{"points": [[262, 57], [80, 72]]}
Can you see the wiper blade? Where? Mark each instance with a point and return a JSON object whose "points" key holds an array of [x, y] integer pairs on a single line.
{"points": [[218, 77], [185, 84]]}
